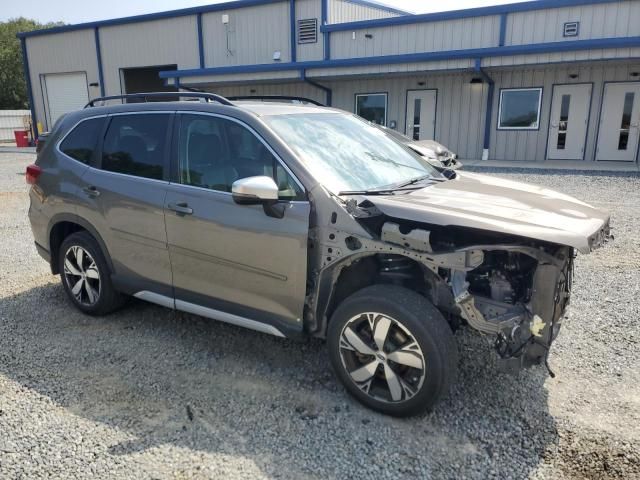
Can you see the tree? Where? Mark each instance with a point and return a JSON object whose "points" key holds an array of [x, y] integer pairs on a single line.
{"points": [[13, 88]]}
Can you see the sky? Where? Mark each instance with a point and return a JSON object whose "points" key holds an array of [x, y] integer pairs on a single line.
{"points": [[78, 11]]}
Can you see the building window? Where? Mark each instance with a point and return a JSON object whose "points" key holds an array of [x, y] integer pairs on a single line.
{"points": [[372, 107], [520, 109]]}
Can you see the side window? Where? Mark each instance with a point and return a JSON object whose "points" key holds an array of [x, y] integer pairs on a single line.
{"points": [[81, 143], [135, 145], [215, 152]]}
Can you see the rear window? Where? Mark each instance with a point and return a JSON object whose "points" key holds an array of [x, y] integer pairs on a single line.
{"points": [[135, 145], [81, 142]]}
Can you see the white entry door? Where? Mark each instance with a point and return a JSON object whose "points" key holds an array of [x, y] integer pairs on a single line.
{"points": [[569, 121], [619, 122], [421, 114], [64, 93]]}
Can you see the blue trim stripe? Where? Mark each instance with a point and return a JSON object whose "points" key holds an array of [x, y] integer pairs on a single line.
{"points": [[151, 16], [458, 14], [96, 32], [200, 40], [503, 29], [565, 46], [292, 28], [325, 35], [27, 75]]}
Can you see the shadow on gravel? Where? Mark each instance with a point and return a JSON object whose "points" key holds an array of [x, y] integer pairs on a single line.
{"points": [[173, 379]]}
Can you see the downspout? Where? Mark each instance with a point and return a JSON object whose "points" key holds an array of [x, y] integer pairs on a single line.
{"points": [[489, 109], [292, 28], [96, 33], [27, 74], [328, 92]]}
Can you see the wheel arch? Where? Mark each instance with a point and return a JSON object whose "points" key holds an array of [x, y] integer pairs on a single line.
{"points": [[64, 224], [350, 274]]}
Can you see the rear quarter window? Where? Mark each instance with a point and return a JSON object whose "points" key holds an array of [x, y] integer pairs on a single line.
{"points": [[80, 144]]}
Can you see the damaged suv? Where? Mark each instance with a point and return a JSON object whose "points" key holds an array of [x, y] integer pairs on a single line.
{"points": [[300, 220]]}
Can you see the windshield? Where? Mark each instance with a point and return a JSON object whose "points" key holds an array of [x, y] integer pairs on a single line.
{"points": [[345, 153]]}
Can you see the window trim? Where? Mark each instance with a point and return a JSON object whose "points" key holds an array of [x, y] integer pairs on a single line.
{"points": [[522, 89], [175, 163], [386, 104]]}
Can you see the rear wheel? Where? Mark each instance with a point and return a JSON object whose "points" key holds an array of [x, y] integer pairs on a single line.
{"points": [[85, 275], [392, 349]]}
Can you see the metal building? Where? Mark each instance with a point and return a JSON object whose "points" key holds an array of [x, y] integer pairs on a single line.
{"points": [[535, 81]]}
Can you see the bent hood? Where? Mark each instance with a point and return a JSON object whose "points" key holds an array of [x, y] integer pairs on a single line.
{"points": [[498, 205]]}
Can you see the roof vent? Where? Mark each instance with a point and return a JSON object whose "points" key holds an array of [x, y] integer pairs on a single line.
{"points": [[308, 30], [571, 29]]}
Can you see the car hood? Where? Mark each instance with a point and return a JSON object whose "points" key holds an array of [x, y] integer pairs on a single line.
{"points": [[498, 205]]}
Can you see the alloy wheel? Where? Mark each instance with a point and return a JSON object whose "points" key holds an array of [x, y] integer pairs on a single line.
{"points": [[382, 357], [82, 275]]}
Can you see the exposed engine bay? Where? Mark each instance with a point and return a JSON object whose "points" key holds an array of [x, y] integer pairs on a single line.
{"points": [[513, 289]]}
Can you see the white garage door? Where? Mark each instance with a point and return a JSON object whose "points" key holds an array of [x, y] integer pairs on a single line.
{"points": [[64, 92]]}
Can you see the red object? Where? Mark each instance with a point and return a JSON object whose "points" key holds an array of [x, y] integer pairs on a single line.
{"points": [[32, 174], [22, 138]]}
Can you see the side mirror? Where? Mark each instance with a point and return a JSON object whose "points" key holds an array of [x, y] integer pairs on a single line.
{"points": [[261, 190]]}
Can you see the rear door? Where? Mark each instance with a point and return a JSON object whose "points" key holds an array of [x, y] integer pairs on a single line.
{"points": [[229, 258], [125, 198]]}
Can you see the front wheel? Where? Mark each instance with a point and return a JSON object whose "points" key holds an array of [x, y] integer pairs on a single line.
{"points": [[392, 349]]}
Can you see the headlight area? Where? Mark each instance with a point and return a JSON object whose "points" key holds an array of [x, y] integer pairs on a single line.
{"points": [[520, 295]]}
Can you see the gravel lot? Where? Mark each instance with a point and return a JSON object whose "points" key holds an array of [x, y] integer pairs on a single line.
{"points": [[150, 393]]}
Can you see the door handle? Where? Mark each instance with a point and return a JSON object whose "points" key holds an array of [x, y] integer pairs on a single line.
{"points": [[91, 191], [181, 208]]}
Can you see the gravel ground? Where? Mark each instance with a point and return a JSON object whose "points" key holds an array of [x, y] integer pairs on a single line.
{"points": [[150, 393]]}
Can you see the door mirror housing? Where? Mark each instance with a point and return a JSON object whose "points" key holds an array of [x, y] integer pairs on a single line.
{"points": [[258, 190], [254, 190]]}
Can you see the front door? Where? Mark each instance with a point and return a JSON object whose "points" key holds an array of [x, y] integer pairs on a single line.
{"points": [[421, 114], [569, 121], [619, 122], [229, 258]]}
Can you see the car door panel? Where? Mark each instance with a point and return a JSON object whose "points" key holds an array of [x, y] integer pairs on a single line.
{"points": [[230, 257], [128, 211]]}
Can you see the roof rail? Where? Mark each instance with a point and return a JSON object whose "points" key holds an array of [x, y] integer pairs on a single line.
{"points": [[146, 96], [276, 98]]}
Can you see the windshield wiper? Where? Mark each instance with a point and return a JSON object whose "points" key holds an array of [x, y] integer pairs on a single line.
{"points": [[413, 181], [378, 191]]}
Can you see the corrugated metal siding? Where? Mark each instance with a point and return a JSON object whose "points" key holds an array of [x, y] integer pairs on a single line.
{"points": [[253, 35], [159, 42], [586, 55], [310, 9], [341, 11], [297, 89], [423, 37], [618, 19], [531, 145], [59, 53], [241, 78], [459, 113], [449, 65]]}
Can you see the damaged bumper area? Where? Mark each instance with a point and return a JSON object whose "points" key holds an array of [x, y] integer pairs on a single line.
{"points": [[516, 292], [525, 327]]}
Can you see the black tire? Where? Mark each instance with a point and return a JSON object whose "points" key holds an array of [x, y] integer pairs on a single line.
{"points": [[108, 299], [417, 316]]}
